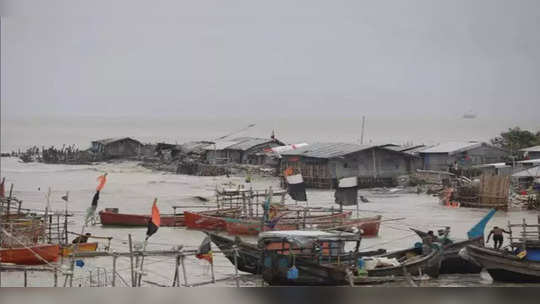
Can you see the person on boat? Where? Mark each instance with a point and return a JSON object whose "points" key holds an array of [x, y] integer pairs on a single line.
{"points": [[497, 236], [82, 238], [444, 236], [428, 242]]}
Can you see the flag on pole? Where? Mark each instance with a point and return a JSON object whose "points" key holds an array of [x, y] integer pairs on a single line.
{"points": [[91, 211], [296, 187], [154, 222], [102, 179], [66, 197], [347, 191], [205, 250]]}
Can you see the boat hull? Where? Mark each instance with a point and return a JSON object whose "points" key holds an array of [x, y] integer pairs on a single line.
{"points": [[253, 227], [505, 267], [122, 219], [82, 247], [249, 255], [27, 256], [215, 221], [429, 264], [452, 262]]}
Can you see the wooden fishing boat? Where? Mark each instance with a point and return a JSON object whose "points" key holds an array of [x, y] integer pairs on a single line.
{"points": [[111, 217], [413, 261], [307, 258], [209, 220], [249, 255], [504, 266], [32, 255], [82, 247], [320, 258], [253, 226], [452, 262], [340, 221]]}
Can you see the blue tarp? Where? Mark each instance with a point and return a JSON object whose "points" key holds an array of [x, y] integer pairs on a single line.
{"points": [[478, 229]]}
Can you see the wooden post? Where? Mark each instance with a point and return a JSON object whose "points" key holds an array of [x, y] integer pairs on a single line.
{"points": [[235, 249], [58, 227], [115, 257], [212, 271], [244, 207], [176, 280], [136, 271], [131, 260], [9, 201], [25, 278], [184, 269], [55, 277], [50, 229]]}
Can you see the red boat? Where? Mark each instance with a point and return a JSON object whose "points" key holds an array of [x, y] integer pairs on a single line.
{"points": [[370, 225], [33, 255], [209, 221], [253, 226], [111, 217]]}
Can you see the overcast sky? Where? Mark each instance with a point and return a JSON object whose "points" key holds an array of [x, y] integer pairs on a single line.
{"points": [[279, 57]]}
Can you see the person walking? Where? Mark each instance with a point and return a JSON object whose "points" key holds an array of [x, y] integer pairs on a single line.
{"points": [[497, 236]]}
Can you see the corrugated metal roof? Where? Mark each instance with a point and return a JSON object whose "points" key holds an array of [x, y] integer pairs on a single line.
{"points": [[240, 143], [107, 141], [220, 145], [531, 172], [531, 149], [404, 148], [451, 147], [246, 143], [327, 150]]}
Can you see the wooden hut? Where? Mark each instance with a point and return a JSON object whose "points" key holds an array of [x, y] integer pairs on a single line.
{"points": [[242, 150], [322, 164], [465, 154], [116, 147]]}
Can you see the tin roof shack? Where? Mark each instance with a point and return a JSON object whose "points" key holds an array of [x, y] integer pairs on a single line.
{"points": [[465, 154], [322, 164], [116, 147], [531, 152], [242, 150]]}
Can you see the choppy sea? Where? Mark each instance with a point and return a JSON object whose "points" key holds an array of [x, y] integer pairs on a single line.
{"points": [[132, 188]]}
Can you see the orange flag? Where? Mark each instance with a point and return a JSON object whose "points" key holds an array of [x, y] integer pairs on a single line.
{"points": [[155, 220], [102, 179]]}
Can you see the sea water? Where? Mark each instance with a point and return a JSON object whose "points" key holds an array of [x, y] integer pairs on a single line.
{"points": [[132, 189]]}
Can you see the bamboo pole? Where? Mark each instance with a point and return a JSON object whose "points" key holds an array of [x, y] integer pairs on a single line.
{"points": [[142, 262], [115, 257], [184, 269], [176, 279], [235, 252], [131, 260]]}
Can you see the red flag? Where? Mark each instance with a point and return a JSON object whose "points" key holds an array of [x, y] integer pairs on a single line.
{"points": [[102, 180], [155, 220]]}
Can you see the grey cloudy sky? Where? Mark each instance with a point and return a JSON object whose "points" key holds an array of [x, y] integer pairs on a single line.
{"points": [[279, 57]]}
